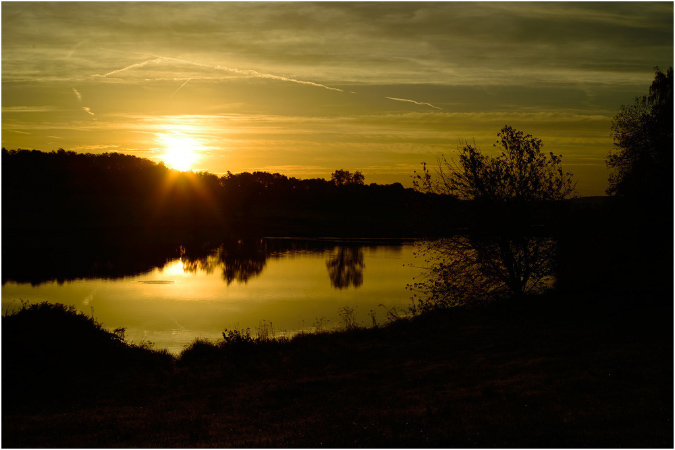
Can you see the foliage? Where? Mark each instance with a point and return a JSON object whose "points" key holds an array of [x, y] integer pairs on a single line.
{"points": [[200, 351], [52, 352], [521, 172], [265, 331], [488, 377], [238, 337], [320, 324], [393, 314], [501, 253], [643, 141], [348, 316], [344, 177]]}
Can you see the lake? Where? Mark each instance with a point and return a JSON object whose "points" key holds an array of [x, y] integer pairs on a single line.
{"points": [[177, 294]]}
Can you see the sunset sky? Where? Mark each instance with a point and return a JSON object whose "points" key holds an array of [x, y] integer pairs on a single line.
{"points": [[307, 88]]}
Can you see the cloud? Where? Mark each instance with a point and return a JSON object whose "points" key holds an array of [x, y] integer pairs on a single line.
{"points": [[413, 101], [28, 109], [79, 99], [290, 170], [94, 148]]}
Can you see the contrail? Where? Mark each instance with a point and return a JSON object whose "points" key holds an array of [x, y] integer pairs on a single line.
{"points": [[181, 86], [74, 47], [78, 95], [254, 73], [276, 77], [413, 101], [133, 66], [248, 72]]}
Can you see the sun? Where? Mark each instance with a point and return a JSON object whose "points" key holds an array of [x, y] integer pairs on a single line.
{"points": [[180, 152]]}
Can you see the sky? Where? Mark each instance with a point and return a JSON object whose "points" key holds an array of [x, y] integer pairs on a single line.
{"points": [[305, 88]]}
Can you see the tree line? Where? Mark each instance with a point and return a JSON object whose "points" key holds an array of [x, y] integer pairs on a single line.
{"points": [[68, 192]]}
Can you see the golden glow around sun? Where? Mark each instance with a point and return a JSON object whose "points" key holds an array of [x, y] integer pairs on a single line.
{"points": [[180, 152]]}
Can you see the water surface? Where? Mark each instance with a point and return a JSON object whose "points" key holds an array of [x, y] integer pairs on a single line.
{"points": [[294, 284]]}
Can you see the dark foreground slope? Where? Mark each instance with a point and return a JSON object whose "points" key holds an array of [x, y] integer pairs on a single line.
{"points": [[545, 373]]}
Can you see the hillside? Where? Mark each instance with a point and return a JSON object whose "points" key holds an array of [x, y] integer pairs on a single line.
{"points": [[550, 372]]}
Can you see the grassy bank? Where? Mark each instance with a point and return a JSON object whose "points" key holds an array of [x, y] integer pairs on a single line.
{"points": [[549, 372]]}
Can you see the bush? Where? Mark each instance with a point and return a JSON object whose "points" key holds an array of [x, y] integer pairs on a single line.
{"points": [[52, 351]]}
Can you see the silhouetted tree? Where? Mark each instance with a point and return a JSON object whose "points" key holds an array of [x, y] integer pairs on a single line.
{"points": [[345, 177], [520, 172], [642, 162], [501, 254]]}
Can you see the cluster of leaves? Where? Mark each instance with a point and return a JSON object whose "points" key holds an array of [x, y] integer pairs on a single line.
{"points": [[643, 139]]}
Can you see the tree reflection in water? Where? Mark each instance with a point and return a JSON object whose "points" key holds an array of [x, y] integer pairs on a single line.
{"points": [[463, 269], [239, 260], [243, 260], [345, 267]]}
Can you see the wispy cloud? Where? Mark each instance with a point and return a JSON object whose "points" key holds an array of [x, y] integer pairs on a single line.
{"points": [[94, 148], [79, 99], [479, 117], [28, 109], [413, 101]]}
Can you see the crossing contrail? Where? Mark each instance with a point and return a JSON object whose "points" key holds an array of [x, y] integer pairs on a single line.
{"points": [[248, 72]]}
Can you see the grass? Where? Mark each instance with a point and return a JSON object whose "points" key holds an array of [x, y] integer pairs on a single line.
{"points": [[549, 372]]}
